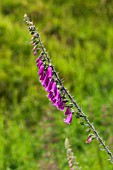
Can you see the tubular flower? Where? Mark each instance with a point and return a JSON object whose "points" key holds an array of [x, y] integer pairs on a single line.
{"points": [[41, 70], [49, 72], [54, 88], [42, 77], [67, 112], [45, 81], [39, 64], [68, 119], [48, 88], [38, 59]]}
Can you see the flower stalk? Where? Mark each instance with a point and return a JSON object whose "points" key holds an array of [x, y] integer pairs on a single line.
{"points": [[57, 93]]}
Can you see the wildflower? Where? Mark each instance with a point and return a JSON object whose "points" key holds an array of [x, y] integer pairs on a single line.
{"points": [[38, 59], [54, 88], [67, 111], [48, 88], [42, 77], [39, 64], [68, 119], [49, 72], [57, 96], [50, 95], [61, 105], [45, 81], [41, 70]]}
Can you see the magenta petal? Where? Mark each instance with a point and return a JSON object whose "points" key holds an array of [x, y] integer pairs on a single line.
{"points": [[57, 96], [40, 72], [45, 81], [38, 59], [54, 101], [62, 106], [67, 111], [54, 88], [68, 119], [39, 64], [49, 72], [50, 95], [51, 98], [42, 77], [89, 139], [48, 88]]}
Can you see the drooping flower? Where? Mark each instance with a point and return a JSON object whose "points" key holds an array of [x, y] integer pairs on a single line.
{"points": [[41, 70], [61, 106], [50, 95], [45, 81], [49, 72], [54, 88], [57, 96], [48, 88], [38, 59], [67, 111], [39, 63], [42, 76], [68, 119], [54, 101]]}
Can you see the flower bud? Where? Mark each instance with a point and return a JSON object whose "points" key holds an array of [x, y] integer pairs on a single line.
{"points": [[89, 139], [35, 53]]}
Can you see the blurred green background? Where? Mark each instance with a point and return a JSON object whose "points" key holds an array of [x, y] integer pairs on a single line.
{"points": [[78, 36]]}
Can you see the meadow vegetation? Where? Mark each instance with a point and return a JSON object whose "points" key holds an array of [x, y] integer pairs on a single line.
{"points": [[78, 36]]}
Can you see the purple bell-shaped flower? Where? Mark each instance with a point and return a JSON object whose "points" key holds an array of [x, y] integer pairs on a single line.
{"points": [[67, 111], [57, 96], [45, 81], [48, 88], [49, 72], [54, 88], [50, 96], [38, 59], [42, 76], [68, 119], [41, 70], [39, 64], [61, 105]]}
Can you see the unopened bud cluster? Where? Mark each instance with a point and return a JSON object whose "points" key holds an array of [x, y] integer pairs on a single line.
{"points": [[70, 156]]}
